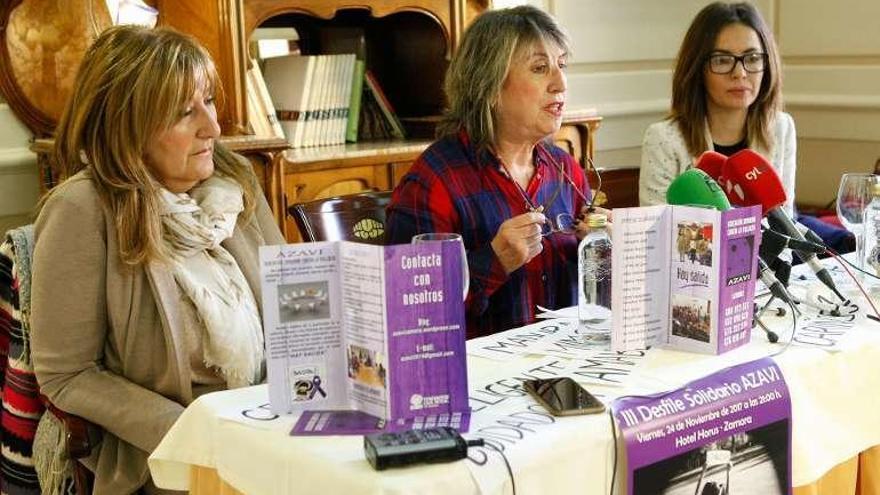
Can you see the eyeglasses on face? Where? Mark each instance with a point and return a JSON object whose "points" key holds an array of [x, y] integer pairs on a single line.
{"points": [[725, 63]]}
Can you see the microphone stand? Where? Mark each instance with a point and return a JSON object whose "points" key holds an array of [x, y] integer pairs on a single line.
{"points": [[772, 336], [782, 271]]}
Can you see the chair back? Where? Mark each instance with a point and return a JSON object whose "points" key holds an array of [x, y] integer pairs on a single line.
{"points": [[356, 217], [23, 406]]}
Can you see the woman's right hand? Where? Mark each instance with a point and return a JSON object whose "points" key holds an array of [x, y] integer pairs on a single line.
{"points": [[519, 240]]}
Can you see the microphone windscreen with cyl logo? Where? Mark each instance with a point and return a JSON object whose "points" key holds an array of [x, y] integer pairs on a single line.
{"points": [[749, 179], [695, 187], [711, 162]]}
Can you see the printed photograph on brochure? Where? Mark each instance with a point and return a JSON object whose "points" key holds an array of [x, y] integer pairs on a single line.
{"points": [[740, 252], [691, 318], [694, 243], [753, 461], [366, 366], [303, 302]]}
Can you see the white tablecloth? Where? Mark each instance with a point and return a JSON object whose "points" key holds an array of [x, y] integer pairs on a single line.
{"points": [[835, 416]]}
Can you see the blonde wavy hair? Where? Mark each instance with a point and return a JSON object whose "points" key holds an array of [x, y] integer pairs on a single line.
{"points": [[133, 83], [478, 69]]}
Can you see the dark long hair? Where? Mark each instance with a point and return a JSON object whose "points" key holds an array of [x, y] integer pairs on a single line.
{"points": [[689, 96]]}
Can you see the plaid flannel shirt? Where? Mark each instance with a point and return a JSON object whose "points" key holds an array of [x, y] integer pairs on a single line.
{"points": [[453, 187]]}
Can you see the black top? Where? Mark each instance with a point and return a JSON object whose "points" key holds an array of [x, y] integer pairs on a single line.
{"points": [[733, 148]]}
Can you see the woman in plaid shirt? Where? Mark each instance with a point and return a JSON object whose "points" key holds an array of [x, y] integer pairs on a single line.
{"points": [[494, 175]]}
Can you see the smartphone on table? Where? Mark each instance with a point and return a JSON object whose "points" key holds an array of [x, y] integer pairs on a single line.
{"points": [[563, 396]]}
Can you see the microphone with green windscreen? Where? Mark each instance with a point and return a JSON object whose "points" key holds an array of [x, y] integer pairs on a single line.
{"points": [[697, 188]]}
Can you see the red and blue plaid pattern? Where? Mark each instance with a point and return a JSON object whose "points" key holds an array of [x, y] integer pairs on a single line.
{"points": [[453, 187]]}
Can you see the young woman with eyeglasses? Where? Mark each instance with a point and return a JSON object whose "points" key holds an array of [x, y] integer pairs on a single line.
{"points": [[726, 96]]}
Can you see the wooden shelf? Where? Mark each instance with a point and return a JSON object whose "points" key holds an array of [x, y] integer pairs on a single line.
{"points": [[353, 154]]}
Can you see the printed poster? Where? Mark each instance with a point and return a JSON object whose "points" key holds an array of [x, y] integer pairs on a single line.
{"points": [[727, 433]]}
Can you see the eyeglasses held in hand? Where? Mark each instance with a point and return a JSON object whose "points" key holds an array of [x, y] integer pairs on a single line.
{"points": [[725, 63], [564, 223]]}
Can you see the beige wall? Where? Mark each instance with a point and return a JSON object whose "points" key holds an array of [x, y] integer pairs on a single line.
{"points": [[624, 52], [18, 171], [622, 60]]}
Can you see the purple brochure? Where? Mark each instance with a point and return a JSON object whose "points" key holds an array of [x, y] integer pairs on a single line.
{"points": [[729, 432], [740, 238], [399, 352], [426, 330], [684, 277]]}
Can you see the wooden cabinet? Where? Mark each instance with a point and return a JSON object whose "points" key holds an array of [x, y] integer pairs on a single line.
{"points": [[315, 173], [405, 41], [408, 45], [404, 36]]}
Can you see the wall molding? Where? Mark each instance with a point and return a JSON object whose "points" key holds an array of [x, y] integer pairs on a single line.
{"points": [[852, 103], [633, 108], [17, 161]]}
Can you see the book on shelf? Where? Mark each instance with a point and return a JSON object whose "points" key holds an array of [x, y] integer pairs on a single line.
{"points": [[343, 97], [288, 80], [261, 112], [316, 97], [347, 40], [329, 99], [311, 94], [336, 106], [684, 277], [354, 101], [325, 132], [373, 125], [375, 89]]}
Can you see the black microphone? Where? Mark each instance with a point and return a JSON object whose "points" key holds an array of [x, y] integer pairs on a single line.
{"points": [[810, 235], [779, 242], [749, 180], [770, 249]]}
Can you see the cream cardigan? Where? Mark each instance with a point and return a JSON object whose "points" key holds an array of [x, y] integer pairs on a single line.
{"points": [[665, 156], [108, 340]]}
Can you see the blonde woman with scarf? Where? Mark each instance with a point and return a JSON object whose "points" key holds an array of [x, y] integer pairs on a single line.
{"points": [[145, 273]]}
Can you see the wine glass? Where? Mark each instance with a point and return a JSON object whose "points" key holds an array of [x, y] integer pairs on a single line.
{"points": [[448, 237], [852, 200]]}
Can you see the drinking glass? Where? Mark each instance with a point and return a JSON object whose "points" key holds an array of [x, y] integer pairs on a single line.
{"points": [[852, 200], [448, 237]]}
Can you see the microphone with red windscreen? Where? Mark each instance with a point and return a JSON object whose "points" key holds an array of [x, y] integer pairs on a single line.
{"points": [[711, 162], [748, 179]]}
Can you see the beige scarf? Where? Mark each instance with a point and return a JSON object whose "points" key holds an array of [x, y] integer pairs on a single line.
{"points": [[195, 225]]}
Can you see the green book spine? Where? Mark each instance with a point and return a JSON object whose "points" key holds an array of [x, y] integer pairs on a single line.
{"points": [[354, 102]]}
